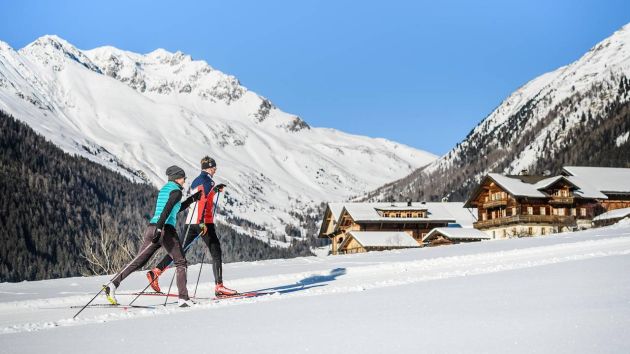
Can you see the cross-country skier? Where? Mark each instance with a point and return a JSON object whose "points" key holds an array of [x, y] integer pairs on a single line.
{"points": [[201, 222], [161, 232]]}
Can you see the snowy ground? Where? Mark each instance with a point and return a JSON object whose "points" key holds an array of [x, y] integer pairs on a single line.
{"points": [[567, 293]]}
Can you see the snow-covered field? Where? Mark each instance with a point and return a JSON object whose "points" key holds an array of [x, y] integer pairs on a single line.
{"points": [[566, 293]]}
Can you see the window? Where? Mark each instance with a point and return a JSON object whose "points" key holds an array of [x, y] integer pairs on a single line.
{"points": [[530, 210], [561, 211], [530, 230], [543, 211], [573, 212], [484, 216], [583, 212], [408, 215], [397, 215], [513, 210]]}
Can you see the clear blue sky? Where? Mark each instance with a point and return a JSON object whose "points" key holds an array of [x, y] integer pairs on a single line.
{"points": [[421, 73]]}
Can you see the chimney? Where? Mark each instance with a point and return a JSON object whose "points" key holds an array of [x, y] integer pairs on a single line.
{"points": [[408, 202], [524, 172], [423, 202]]}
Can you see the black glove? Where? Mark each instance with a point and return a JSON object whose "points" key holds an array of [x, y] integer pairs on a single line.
{"points": [[156, 235], [219, 188], [196, 196]]}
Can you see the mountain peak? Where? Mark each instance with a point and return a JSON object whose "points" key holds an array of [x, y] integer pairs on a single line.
{"points": [[52, 50]]}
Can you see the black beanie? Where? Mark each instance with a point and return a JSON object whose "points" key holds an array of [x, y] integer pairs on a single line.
{"points": [[208, 162], [175, 172]]}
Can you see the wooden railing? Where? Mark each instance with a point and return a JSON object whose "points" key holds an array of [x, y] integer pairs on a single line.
{"points": [[525, 219], [561, 200], [495, 203]]}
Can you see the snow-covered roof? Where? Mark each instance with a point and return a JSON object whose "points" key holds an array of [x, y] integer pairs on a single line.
{"points": [[613, 214], [516, 187], [548, 182], [335, 210], [452, 212], [383, 239], [586, 190], [457, 233], [590, 182], [603, 179]]}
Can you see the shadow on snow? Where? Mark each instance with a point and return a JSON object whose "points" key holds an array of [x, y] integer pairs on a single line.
{"points": [[313, 281]]}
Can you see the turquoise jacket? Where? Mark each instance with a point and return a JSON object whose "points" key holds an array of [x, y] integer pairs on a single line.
{"points": [[162, 200]]}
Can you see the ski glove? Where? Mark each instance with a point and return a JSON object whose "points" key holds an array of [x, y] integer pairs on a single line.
{"points": [[196, 196], [156, 235], [204, 229], [219, 188]]}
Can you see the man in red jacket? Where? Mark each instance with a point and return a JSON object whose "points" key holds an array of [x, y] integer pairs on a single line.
{"points": [[201, 222]]}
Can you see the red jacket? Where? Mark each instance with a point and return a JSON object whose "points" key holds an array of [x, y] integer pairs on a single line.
{"points": [[203, 210]]}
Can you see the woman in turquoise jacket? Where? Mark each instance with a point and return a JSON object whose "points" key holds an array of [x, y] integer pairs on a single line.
{"points": [[161, 233]]}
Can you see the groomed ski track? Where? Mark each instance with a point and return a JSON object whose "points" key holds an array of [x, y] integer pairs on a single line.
{"points": [[561, 293]]}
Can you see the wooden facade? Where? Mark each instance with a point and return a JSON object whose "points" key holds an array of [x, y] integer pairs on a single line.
{"points": [[503, 214], [406, 219]]}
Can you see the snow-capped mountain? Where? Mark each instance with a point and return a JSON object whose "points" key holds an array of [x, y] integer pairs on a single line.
{"points": [[567, 116], [139, 114]]}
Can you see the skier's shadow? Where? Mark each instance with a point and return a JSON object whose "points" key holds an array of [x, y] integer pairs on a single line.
{"points": [[313, 281]]}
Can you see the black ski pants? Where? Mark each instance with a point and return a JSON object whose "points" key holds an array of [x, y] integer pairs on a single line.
{"points": [[212, 242], [170, 242]]}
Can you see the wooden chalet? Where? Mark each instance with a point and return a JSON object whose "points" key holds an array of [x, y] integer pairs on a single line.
{"points": [[524, 205], [454, 235], [415, 219]]}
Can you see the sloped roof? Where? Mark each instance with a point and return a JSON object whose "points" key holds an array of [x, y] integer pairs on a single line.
{"points": [[456, 233], [613, 214], [516, 186], [335, 209], [548, 182], [603, 179], [590, 182], [452, 212], [586, 190], [382, 239]]}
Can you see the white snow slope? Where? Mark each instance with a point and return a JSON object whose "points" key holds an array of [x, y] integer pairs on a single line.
{"points": [[566, 293], [139, 114]]}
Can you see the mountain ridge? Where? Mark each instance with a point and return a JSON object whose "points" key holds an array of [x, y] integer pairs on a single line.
{"points": [[535, 126], [138, 114]]}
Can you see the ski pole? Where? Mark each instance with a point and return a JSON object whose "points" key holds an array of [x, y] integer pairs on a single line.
{"points": [[199, 276], [214, 212], [110, 281]]}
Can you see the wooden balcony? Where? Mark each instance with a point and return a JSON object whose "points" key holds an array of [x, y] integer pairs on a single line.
{"points": [[525, 219], [495, 203], [561, 200]]}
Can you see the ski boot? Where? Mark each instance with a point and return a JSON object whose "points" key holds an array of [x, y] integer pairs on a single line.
{"points": [[110, 293], [185, 303], [153, 276], [222, 291]]}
